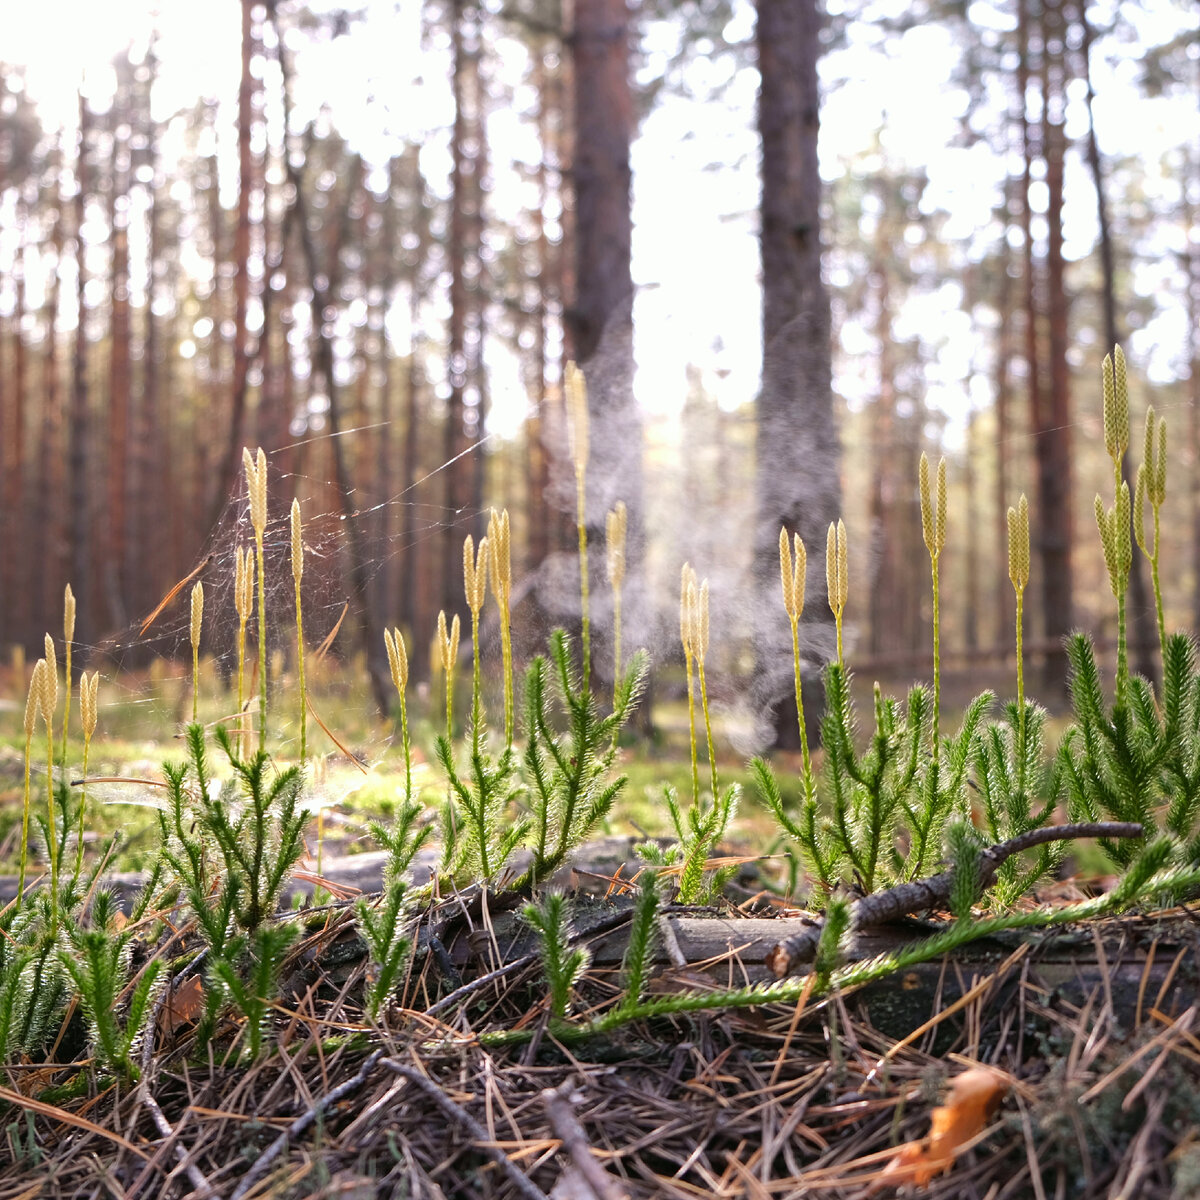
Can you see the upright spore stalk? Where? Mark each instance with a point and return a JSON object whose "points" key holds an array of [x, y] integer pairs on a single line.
{"points": [[700, 648], [393, 640], [1152, 484], [1114, 523], [49, 700], [475, 576], [687, 608], [68, 638], [1018, 572], [33, 706], [792, 574], [243, 601], [447, 644], [256, 485], [89, 687], [197, 623], [297, 575], [500, 564], [615, 525], [933, 530], [577, 431], [837, 578]]}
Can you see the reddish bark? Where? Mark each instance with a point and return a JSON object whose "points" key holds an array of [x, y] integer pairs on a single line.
{"points": [[798, 452]]}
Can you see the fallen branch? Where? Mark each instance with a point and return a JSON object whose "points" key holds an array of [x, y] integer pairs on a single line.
{"points": [[298, 1126], [567, 1129], [520, 1181], [934, 893]]}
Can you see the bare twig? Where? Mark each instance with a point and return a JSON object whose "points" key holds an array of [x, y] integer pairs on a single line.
{"points": [[935, 892], [606, 925], [204, 1189], [567, 1129], [298, 1126], [520, 1181]]}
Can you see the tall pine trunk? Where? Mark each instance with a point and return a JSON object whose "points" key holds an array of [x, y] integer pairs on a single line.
{"points": [[1053, 441], [797, 469], [600, 320], [79, 457]]}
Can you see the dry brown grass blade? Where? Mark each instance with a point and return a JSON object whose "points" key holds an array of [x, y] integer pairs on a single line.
{"points": [[330, 735], [166, 600], [69, 1118], [339, 891], [950, 1009], [323, 648]]}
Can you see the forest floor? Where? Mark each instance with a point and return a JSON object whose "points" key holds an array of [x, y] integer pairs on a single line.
{"points": [[466, 1088], [1090, 1032]]}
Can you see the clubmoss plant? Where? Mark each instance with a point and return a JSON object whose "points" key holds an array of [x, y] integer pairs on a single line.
{"points": [[68, 639], [698, 831], [570, 750], [197, 623], [1017, 791], [562, 965], [643, 930], [1152, 484], [478, 842], [251, 978], [388, 943], [829, 947], [577, 432], [238, 843], [615, 525], [297, 548], [1130, 761], [98, 962], [878, 798]]}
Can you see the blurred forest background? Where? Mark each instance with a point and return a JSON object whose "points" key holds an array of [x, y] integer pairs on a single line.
{"points": [[369, 239]]}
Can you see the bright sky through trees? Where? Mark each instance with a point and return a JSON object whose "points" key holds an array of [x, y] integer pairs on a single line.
{"points": [[695, 162]]}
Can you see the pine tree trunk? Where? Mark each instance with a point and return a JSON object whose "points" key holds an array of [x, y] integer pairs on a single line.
{"points": [[228, 465], [1053, 443], [798, 452], [79, 512], [453, 440], [600, 320], [20, 560], [1031, 351], [1143, 641], [1005, 601], [119, 374]]}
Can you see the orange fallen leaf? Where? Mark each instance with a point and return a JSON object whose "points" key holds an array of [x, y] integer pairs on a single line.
{"points": [[183, 1006], [972, 1097]]}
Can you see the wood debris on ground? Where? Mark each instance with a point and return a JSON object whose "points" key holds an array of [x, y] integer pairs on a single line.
{"points": [[847, 1098]]}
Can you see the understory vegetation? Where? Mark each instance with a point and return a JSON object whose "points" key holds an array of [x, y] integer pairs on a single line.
{"points": [[895, 816]]}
